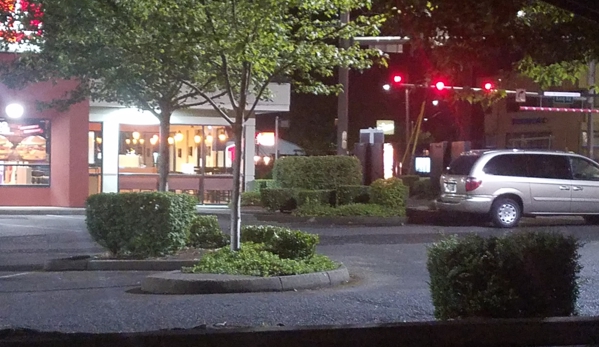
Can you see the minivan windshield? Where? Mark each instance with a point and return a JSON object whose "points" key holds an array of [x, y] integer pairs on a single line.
{"points": [[462, 165]]}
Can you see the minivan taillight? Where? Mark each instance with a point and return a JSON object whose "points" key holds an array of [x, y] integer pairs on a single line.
{"points": [[472, 183]]}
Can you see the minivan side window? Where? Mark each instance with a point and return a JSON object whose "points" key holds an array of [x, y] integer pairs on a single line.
{"points": [[507, 165], [583, 169], [549, 166], [462, 165]]}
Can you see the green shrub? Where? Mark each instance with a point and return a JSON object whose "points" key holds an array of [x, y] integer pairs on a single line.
{"points": [[284, 242], [256, 260], [259, 184], [251, 199], [423, 189], [325, 197], [347, 194], [140, 224], [279, 199], [318, 172], [409, 180], [520, 275], [389, 192], [206, 233], [349, 210]]}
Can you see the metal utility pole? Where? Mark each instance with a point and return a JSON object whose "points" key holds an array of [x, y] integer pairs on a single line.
{"points": [[276, 137], [590, 125], [343, 101]]}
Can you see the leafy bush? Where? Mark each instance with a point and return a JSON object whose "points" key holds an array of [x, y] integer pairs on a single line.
{"points": [[318, 172], [325, 197], [279, 199], [284, 242], [206, 233], [349, 210], [347, 194], [259, 184], [251, 199], [389, 192], [516, 276], [423, 189], [140, 224], [255, 260], [409, 180]]}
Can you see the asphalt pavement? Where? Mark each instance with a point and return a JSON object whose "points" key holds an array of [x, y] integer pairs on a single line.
{"points": [[388, 266]]}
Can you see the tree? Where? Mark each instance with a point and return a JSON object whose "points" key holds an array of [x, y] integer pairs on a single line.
{"points": [[165, 55]]}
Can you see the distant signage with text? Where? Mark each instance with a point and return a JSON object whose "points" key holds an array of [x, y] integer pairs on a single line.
{"points": [[527, 121]]}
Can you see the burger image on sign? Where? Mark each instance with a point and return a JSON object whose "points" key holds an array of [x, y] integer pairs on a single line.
{"points": [[32, 148], [5, 148]]}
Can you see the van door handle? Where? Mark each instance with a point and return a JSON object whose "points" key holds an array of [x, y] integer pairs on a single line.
{"points": [[564, 188], [576, 188]]}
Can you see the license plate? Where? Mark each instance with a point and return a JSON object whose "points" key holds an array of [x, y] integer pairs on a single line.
{"points": [[450, 187]]}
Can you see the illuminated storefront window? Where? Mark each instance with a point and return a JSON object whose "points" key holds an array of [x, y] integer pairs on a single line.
{"points": [[25, 152]]}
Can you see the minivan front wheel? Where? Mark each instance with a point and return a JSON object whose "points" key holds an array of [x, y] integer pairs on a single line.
{"points": [[505, 213]]}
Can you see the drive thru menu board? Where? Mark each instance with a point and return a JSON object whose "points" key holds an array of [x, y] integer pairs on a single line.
{"points": [[24, 152]]}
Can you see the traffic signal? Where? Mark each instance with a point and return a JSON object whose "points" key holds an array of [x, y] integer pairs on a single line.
{"points": [[397, 79], [440, 85], [488, 86]]}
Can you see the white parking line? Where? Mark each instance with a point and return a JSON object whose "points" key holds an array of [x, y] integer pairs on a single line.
{"points": [[15, 275]]}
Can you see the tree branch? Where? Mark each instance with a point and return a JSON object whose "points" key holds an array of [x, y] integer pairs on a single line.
{"points": [[210, 101]]}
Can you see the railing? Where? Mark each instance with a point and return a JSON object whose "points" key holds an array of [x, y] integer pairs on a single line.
{"points": [[573, 331], [211, 189]]}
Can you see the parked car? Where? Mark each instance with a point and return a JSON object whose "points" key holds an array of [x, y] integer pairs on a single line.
{"points": [[509, 184]]}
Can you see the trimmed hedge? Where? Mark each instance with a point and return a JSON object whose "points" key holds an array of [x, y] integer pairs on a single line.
{"points": [[389, 192], [423, 189], [521, 275], [409, 180], [206, 233], [318, 172], [349, 210], [279, 199], [140, 224], [324, 197], [251, 199], [349, 194], [284, 242], [259, 184]]}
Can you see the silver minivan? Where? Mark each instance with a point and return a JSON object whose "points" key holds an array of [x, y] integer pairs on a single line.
{"points": [[509, 184]]}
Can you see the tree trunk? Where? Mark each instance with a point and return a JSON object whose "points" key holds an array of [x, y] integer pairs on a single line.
{"points": [[238, 130], [163, 152]]}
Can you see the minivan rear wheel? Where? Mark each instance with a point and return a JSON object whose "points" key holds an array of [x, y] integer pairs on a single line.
{"points": [[505, 213]]}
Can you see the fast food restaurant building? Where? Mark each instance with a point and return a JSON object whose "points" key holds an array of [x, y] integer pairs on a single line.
{"points": [[53, 158]]}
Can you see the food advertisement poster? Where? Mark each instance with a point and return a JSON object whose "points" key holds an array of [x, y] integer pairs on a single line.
{"points": [[26, 140]]}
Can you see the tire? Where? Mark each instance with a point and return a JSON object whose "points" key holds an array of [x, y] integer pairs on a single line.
{"points": [[505, 213], [594, 219]]}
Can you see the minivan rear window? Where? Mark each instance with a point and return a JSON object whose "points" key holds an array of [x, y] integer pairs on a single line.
{"points": [[462, 165]]}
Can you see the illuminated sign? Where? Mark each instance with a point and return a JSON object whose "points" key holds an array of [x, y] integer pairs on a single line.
{"points": [[265, 139], [387, 126]]}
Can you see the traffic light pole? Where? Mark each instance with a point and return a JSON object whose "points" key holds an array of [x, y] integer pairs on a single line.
{"points": [[342, 100]]}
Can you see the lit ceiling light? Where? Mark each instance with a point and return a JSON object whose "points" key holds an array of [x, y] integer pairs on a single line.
{"points": [[142, 141], [257, 158], [171, 140], [222, 136], [127, 141], [136, 135], [179, 136], [154, 140], [266, 160], [14, 111], [134, 141], [197, 138], [209, 138], [99, 140]]}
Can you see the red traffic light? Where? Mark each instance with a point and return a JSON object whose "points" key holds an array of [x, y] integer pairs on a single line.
{"points": [[488, 86], [397, 79], [440, 85]]}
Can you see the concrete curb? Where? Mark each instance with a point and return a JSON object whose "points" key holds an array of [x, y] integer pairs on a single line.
{"points": [[176, 282], [41, 211], [86, 263]]}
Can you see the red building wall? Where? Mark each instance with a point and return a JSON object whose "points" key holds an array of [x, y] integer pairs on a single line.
{"points": [[69, 176]]}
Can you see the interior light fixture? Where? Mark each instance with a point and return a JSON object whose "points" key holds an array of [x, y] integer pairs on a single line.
{"points": [[127, 141], [179, 136], [197, 138], [154, 140], [171, 140], [136, 135]]}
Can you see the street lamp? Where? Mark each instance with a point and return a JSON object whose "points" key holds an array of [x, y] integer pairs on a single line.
{"points": [[14, 111]]}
